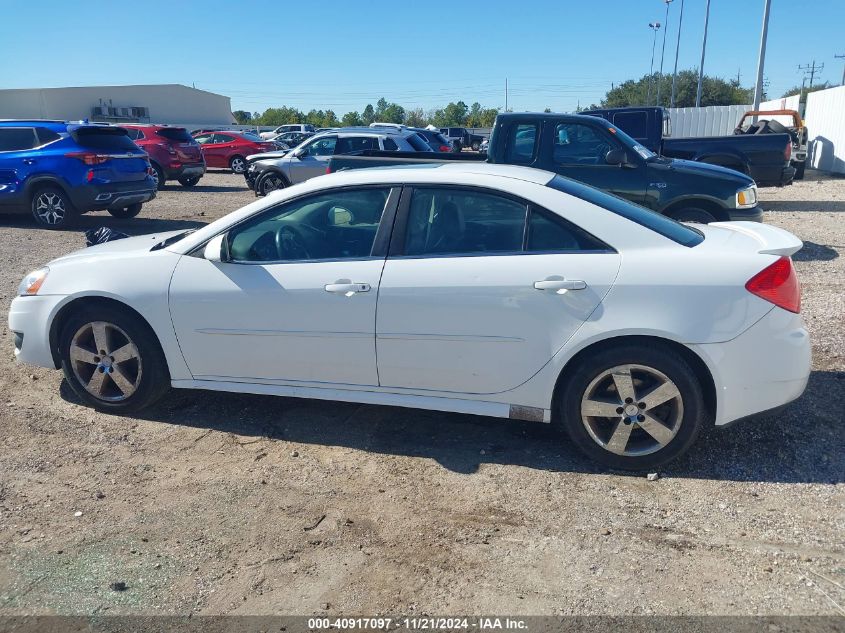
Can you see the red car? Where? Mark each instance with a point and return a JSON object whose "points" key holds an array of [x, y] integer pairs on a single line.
{"points": [[230, 149], [174, 154]]}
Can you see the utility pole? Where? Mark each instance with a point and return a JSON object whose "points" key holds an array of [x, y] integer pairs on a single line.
{"points": [[812, 69], [703, 48], [843, 69], [663, 52], [654, 26], [677, 48], [761, 59]]}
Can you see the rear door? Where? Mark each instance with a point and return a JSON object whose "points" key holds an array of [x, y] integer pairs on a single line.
{"points": [[17, 161], [481, 289], [222, 148]]}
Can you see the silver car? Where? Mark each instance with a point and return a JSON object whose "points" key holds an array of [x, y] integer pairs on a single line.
{"points": [[311, 158]]}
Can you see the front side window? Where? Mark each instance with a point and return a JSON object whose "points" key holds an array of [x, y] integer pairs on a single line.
{"points": [[321, 147], [14, 139], [349, 144], [446, 220], [579, 144], [521, 144], [204, 139], [223, 138], [336, 225]]}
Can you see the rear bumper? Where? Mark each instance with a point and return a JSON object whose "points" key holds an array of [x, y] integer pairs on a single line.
{"points": [[186, 170], [764, 368], [754, 214], [112, 195]]}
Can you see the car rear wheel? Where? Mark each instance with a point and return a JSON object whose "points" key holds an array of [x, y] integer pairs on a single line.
{"points": [[632, 407], [270, 182], [693, 214], [52, 208], [237, 164], [112, 360], [158, 176], [127, 212], [189, 181]]}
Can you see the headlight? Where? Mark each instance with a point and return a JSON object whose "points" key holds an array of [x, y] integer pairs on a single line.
{"points": [[746, 198], [33, 281]]}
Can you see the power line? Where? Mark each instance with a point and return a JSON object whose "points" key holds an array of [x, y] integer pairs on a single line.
{"points": [[811, 69]]}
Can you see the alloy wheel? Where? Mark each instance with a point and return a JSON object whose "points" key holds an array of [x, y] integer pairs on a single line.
{"points": [[238, 165], [105, 361], [271, 183], [50, 208], [632, 410]]}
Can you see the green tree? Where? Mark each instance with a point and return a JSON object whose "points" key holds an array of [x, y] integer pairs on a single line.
{"points": [[714, 91], [388, 112], [280, 116], [351, 119], [803, 91], [416, 118], [242, 117], [369, 115], [454, 114]]}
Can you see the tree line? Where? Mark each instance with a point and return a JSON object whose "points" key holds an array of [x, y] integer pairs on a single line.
{"points": [[634, 92], [455, 114]]}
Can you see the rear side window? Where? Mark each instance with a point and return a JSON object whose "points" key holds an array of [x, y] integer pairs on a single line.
{"points": [[389, 144], [634, 124], [521, 146], [14, 139], [349, 144], [105, 138], [660, 224], [551, 233], [177, 134], [418, 143], [46, 136]]}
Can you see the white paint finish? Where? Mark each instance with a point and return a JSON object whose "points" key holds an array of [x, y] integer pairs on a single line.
{"points": [[707, 121], [282, 318], [276, 321], [477, 324], [825, 120]]}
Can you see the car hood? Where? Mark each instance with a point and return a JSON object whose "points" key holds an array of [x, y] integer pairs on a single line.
{"points": [[693, 168], [277, 154], [118, 247]]}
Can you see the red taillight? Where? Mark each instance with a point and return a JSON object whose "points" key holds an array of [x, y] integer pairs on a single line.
{"points": [[445, 148], [89, 158], [787, 153], [328, 169], [779, 284], [90, 175]]}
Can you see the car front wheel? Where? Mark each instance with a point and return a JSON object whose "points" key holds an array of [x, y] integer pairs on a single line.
{"points": [[52, 208], [270, 182], [112, 359], [632, 407]]}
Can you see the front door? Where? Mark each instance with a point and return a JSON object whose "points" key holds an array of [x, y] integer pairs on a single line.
{"points": [[578, 151], [297, 299], [314, 159], [474, 302]]}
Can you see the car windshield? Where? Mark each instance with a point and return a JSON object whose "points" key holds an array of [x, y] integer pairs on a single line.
{"points": [[660, 224]]}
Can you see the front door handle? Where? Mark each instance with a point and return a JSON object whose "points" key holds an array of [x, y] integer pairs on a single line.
{"points": [[560, 285], [346, 287]]}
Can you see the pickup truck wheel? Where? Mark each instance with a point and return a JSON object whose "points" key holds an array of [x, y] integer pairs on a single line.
{"points": [[127, 212], [52, 208], [692, 214], [799, 171], [476, 146]]}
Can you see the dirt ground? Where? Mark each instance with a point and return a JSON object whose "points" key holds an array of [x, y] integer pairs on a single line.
{"points": [[214, 503]]}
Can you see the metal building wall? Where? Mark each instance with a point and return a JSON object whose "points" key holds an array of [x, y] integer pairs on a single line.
{"points": [[825, 120]]}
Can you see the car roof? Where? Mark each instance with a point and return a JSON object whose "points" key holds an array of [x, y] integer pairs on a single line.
{"points": [[51, 124], [447, 168]]}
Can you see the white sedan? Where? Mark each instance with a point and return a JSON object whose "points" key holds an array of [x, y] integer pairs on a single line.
{"points": [[474, 288]]}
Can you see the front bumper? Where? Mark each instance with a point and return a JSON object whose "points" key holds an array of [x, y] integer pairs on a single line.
{"points": [[765, 367], [116, 195], [754, 214], [29, 322]]}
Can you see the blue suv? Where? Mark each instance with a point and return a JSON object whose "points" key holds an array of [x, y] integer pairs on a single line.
{"points": [[56, 170]]}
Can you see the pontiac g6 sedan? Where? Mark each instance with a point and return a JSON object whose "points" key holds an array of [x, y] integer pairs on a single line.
{"points": [[474, 288]]}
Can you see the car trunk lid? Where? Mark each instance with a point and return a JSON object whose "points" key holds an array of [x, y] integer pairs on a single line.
{"points": [[754, 236]]}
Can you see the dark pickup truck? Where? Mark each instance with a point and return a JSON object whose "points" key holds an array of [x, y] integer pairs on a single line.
{"points": [[764, 157], [462, 138], [593, 151]]}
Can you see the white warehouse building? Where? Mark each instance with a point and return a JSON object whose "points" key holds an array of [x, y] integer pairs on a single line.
{"points": [[156, 103]]}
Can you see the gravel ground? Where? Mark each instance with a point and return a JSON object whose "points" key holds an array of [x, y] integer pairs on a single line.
{"points": [[215, 503]]}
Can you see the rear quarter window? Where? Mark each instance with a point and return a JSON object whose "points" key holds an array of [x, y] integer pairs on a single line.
{"points": [[660, 224], [179, 135], [14, 139]]}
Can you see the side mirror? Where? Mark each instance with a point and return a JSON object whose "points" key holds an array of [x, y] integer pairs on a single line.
{"points": [[217, 249], [299, 153], [616, 156]]}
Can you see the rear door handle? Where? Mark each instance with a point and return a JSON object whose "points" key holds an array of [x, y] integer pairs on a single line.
{"points": [[560, 285], [346, 287]]}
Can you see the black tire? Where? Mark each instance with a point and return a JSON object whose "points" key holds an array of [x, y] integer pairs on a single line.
{"points": [[189, 181], [687, 417], [693, 214], [799, 170], [148, 375], [457, 147], [476, 145], [158, 176], [51, 208], [269, 182], [126, 212], [237, 164]]}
